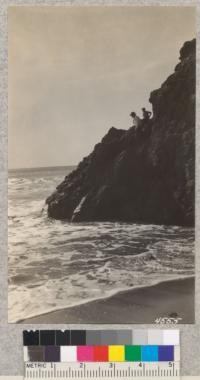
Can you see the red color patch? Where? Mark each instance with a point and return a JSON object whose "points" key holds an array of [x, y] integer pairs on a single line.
{"points": [[100, 353]]}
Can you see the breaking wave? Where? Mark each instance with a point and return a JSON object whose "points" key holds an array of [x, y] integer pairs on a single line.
{"points": [[55, 264]]}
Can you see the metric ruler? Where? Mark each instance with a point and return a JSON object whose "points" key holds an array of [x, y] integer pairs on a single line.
{"points": [[102, 371]]}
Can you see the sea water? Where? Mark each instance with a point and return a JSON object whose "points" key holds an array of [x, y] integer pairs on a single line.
{"points": [[54, 264]]}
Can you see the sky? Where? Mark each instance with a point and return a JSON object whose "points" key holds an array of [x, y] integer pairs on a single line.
{"points": [[76, 71]]}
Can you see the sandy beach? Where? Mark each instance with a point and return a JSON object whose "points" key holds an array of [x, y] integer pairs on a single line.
{"points": [[141, 305]]}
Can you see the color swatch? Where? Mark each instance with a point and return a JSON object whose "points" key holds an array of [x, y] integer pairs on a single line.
{"points": [[100, 337], [112, 353], [101, 346]]}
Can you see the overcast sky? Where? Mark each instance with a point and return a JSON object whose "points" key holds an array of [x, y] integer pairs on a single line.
{"points": [[76, 71]]}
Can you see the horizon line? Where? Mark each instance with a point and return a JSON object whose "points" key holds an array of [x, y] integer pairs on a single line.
{"points": [[42, 167]]}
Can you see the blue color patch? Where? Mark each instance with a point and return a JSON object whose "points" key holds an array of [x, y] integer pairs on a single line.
{"points": [[166, 353], [149, 353]]}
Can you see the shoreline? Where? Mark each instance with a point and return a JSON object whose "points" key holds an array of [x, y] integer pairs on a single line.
{"points": [[138, 305]]}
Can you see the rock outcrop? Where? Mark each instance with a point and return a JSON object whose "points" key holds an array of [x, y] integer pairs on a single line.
{"points": [[146, 176]]}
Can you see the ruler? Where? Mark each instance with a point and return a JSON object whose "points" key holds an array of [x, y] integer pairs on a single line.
{"points": [[97, 371]]}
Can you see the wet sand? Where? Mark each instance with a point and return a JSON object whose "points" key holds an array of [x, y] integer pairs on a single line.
{"points": [[141, 305]]}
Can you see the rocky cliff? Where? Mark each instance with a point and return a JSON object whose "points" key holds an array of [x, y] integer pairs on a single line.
{"points": [[145, 176]]}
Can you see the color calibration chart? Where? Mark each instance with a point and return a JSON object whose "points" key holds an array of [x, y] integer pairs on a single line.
{"points": [[102, 354]]}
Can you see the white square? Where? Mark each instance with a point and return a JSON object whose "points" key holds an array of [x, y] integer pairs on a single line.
{"points": [[155, 337], [171, 337], [68, 354]]}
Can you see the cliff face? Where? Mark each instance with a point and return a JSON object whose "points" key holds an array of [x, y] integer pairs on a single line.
{"points": [[143, 177]]}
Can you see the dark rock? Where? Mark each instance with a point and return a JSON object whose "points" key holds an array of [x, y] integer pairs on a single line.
{"points": [[143, 177]]}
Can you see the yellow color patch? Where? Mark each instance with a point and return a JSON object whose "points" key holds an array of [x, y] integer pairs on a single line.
{"points": [[116, 354]]}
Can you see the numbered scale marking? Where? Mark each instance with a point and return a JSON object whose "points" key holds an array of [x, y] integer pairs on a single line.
{"points": [[102, 371]]}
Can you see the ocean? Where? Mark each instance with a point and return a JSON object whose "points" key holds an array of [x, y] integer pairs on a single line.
{"points": [[56, 264]]}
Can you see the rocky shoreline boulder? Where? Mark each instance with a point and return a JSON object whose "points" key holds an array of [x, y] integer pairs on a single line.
{"points": [[146, 176]]}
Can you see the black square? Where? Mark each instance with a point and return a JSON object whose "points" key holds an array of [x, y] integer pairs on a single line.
{"points": [[78, 338], [62, 338], [47, 337], [31, 338]]}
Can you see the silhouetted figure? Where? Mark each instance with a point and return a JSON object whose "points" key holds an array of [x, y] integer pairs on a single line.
{"points": [[146, 114], [136, 120]]}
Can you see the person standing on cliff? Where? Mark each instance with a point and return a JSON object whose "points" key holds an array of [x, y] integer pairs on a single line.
{"points": [[136, 120], [146, 114]]}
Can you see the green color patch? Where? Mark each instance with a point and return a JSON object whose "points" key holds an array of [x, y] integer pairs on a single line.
{"points": [[133, 353]]}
